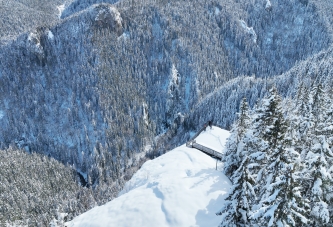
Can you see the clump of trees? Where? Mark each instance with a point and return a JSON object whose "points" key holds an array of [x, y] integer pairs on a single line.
{"points": [[279, 158]]}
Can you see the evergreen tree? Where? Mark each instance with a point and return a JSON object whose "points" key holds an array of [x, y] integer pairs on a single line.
{"points": [[237, 206], [321, 182], [267, 126], [300, 123], [231, 159], [281, 203], [319, 158], [284, 158], [274, 123]]}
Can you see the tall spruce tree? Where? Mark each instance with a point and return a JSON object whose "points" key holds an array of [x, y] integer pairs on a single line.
{"points": [[319, 158], [231, 159], [281, 203], [300, 123], [237, 206]]}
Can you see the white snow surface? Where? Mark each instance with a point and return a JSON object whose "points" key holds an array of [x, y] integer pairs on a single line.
{"points": [[249, 30], [50, 35], [60, 8], [179, 188]]}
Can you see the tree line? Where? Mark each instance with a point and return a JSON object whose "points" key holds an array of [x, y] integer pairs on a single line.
{"points": [[279, 158]]}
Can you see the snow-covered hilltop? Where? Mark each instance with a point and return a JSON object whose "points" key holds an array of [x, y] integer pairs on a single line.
{"points": [[102, 86], [179, 188]]}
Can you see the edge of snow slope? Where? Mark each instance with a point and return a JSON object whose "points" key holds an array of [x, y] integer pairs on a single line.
{"points": [[179, 188]]}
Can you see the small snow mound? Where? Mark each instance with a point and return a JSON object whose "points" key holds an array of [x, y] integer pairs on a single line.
{"points": [[50, 35], [1, 114], [125, 36], [217, 11], [249, 30], [60, 8], [268, 5], [34, 42]]}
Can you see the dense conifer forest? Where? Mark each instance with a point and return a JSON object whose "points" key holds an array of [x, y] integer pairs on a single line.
{"points": [[97, 87], [279, 160]]}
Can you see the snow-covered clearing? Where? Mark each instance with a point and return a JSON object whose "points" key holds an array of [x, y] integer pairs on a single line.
{"points": [[179, 188], [60, 8]]}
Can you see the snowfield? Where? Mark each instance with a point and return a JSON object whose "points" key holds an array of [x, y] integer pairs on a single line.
{"points": [[179, 188]]}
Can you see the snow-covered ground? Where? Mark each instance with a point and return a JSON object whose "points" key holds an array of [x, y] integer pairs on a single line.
{"points": [[179, 188]]}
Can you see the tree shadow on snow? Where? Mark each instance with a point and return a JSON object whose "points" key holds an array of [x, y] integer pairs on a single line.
{"points": [[207, 216]]}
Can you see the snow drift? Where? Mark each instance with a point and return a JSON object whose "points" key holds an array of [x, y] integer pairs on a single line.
{"points": [[180, 188]]}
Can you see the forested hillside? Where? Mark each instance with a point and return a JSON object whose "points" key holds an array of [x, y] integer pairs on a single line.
{"points": [[315, 70], [36, 190], [19, 16], [101, 84]]}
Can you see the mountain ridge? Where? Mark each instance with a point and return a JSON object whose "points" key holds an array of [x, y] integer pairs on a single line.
{"points": [[92, 92]]}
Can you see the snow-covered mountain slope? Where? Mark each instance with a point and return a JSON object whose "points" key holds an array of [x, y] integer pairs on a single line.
{"points": [[19, 16], [179, 188], [72, 86]]}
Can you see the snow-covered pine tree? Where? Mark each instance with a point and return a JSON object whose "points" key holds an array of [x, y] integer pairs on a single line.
{"points": [[231, 159], [321, 181], [237, 206], [300, 123], [281, 203], [300, 130], [319, 158], [256, 141], [245, 153], [328, 132], [274, 122]]}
